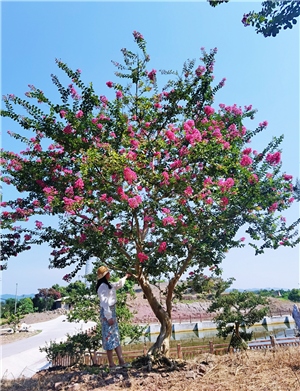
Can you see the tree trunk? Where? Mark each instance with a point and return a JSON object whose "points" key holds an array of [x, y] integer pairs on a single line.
{"points": [[162, 344]]}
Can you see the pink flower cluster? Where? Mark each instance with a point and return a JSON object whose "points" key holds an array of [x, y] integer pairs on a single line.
{"points": [[138, 36], [152, 75], [142, 257], [273, 207], [226, 185], [170, 135], [134, 202], [273, 159], [208, 110], [79, 183], [224, 201], [253, 179], [169, 221], [67, 278], [129, 175], [79, 114], [162, 247], [192, 134], [119, 95], [200, 70], [38, 224], [246, 161], [188, 191], [287, 177]]}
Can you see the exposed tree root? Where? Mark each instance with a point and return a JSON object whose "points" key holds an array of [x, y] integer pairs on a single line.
{"points": [[158, 362]]}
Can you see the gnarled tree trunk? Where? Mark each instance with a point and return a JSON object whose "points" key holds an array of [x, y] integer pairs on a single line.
{"points": [[164, 316]]}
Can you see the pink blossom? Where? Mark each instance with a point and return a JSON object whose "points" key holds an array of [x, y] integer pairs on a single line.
{"points": [[162, 247], [188, 191], [79, 183], [131, 155], [109, 84], [273, 159], [62, 113], [170, 135], [165, 210], [119, 94], [166, 177], [224, 201], [291, 200], [79, 114], [273, 207], [246, 161], [68, 129], [268, 175], [253, 178], [67, 278], [283, 219], [208, 110], [38, 224], [200, 70], [113, 134], [287, 177], [133, 203], [242, 239], [207, 182], [209, 201], [247, 151], [129, 175], [103, 197], [82, 238], [27, 237], [135, 143], [152, 75], [37, 147], [169, 221], [142, 257]]}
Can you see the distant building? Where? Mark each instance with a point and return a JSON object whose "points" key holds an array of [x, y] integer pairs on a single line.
{"points": [[60, 303]]}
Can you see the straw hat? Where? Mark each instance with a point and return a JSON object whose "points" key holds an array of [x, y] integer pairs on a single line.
{"points": [[102, 271]]}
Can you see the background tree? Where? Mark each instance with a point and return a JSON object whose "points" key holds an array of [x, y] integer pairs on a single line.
{"points": [[273, 16], [213, 286], [294, 295], [236, 309], [150, 183], [44, 300], [25, 305]]}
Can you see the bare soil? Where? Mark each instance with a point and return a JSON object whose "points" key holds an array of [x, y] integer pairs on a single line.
{"points": [[270, 370]]}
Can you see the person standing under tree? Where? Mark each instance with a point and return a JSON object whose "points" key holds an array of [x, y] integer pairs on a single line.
{"points": [[110, 330]]}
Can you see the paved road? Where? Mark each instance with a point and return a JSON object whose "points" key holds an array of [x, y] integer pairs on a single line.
{"points": [[23, 358]]}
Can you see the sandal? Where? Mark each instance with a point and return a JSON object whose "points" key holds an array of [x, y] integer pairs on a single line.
{"points": [[126, 365]]}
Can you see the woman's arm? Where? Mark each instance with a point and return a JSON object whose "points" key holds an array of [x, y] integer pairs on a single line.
{"points": [[119, 284]]}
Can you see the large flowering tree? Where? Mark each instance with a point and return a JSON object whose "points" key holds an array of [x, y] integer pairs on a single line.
{"points": [[151, 182]]}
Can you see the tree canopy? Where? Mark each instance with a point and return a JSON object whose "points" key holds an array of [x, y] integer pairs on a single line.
{"points": [[273, 16], [150, 182]]}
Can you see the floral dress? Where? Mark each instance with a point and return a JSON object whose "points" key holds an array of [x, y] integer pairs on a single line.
{"points": [[110, 334]]}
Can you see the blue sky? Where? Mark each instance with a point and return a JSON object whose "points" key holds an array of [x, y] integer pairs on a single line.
{"points": [[260, 71]]}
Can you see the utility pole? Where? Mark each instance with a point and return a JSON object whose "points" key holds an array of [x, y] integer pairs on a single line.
{"points": [[16, 298]]}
